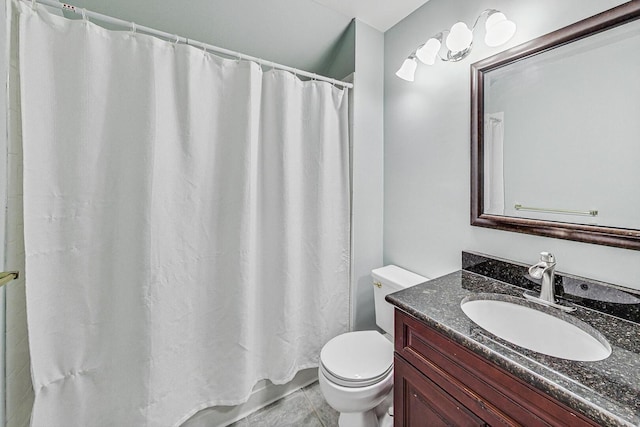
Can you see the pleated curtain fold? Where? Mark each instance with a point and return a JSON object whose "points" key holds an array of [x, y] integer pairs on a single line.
{"points": [[186, 221]]}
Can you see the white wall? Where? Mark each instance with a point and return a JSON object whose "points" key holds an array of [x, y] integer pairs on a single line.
{"points": [[427, 146]]}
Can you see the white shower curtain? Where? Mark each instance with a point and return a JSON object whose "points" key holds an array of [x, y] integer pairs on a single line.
{"points": [[186, 224]]}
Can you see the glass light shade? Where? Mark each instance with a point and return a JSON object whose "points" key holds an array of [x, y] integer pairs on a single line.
{"points": [[499, 29], [408, 69], [427, 53], [459, 38]]}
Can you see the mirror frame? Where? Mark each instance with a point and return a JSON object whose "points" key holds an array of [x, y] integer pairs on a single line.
{"points": [[601, 235]]}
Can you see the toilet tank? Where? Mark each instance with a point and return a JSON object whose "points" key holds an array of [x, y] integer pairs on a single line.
{"points": [[386, 280]]}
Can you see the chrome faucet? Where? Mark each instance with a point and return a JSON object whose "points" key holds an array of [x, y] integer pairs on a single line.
{"points": [[545, 270]]}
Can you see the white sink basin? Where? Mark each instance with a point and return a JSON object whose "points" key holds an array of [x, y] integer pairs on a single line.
{"points": [[558, 335]]}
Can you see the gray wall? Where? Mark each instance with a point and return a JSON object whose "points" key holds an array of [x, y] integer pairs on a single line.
{"points": [[367, 172], [427, 145], [4, 67], [298, 33], [18, 392], [343, 61]]}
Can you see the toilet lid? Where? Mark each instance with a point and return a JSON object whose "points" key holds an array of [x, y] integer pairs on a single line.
{"points": [[358, 357]]}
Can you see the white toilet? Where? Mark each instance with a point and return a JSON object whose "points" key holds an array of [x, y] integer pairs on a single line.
{"points": [[356, 368]]}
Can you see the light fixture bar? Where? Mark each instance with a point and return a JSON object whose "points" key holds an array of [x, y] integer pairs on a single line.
{"points": [[458, 42]]}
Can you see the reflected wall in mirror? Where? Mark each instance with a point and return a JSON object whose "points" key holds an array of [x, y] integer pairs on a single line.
{"points": [[555, 122]]}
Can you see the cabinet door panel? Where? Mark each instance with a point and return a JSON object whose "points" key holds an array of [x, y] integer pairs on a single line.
{"points": [[490, 392], [424, 404]]}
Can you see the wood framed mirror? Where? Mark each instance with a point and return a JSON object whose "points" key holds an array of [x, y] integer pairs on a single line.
{"points": [[555, 133]]}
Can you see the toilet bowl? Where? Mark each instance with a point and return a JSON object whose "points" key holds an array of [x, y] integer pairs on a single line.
{"points": [[356, 368], [356, 375]]}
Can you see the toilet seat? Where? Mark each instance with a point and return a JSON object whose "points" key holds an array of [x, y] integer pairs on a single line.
{"points": [[355, 383], [357, 359]]}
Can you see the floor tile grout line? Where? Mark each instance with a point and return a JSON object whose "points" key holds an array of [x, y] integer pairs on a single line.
{"points": [[313, 407]]}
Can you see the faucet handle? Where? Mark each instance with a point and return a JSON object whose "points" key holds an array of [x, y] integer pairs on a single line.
{"points": [[536, 270], [547, 257], [547, 260]]}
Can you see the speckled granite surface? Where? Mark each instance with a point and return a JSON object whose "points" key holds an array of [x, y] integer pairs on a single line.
{"points": [[607, 391], [604, 297]]}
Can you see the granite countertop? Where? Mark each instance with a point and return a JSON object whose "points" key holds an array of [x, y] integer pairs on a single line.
{"points": [[607, 391]]}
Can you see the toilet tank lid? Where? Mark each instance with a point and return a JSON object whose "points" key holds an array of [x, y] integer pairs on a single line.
{"points": [[396, 275]]}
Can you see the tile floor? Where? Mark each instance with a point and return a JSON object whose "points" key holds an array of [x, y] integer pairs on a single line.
{"points": [[303, 408]]}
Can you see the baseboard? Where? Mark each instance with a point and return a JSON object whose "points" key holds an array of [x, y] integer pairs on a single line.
{"points": [[264, 393]]}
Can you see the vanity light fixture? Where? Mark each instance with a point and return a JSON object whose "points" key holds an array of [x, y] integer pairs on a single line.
{"points": [[408, 69], [458, 42]]}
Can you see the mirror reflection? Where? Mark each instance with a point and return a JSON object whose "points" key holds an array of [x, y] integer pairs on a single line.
{"points": [[556, 135], [562, 134]]}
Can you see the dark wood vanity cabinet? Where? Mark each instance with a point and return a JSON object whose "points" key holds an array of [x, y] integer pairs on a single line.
{"points": [[438, 382]]}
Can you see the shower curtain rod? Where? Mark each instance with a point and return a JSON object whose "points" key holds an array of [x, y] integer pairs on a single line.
{"points": [[177, 39]]}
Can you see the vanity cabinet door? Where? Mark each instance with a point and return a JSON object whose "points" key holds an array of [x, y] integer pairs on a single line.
{"points": [[483, 388], [424, 404]]}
